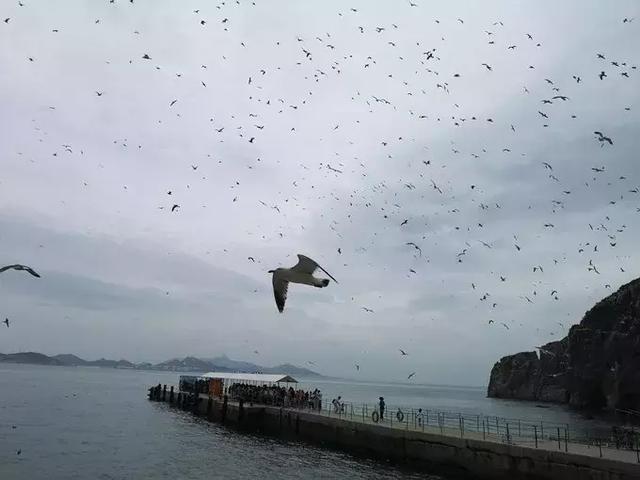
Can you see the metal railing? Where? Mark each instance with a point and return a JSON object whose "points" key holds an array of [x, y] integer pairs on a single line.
{"points": [[618, 442]]}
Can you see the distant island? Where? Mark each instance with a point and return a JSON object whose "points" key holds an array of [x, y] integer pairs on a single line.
{"points": [[596, 366], [186, 364]]}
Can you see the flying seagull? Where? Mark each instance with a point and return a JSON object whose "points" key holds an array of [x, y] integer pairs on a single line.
{"points": [[411, 375], [6, 322], [20, 267], [301, 272], [545, 351], [402, 352]]}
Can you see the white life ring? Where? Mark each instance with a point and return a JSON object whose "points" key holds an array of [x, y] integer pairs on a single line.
{"points": [[400, 415], [375, 416]]}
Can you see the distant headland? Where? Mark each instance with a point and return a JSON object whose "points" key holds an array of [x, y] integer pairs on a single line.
{"points": [[186, 364]]}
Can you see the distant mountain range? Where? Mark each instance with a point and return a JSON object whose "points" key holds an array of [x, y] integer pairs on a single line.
{"points": [[186, 364]]}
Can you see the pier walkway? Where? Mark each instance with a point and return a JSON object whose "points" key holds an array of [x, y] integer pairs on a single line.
{"points": [[520, 433], [470, 445]]}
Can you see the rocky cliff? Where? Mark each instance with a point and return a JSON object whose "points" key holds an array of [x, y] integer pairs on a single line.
{"points": [[597, 365]]}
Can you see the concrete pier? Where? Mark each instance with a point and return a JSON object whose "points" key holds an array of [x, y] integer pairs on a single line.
{"points": [[428, 448]]}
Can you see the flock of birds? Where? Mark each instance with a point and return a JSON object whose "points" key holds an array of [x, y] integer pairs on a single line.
{"points": [[321, 60]]}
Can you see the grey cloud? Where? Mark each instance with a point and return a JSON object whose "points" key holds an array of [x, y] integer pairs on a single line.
{"points": [[96, 216]]}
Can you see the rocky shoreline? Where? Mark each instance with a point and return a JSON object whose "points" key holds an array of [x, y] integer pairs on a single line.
{"points": [[597, 365]]}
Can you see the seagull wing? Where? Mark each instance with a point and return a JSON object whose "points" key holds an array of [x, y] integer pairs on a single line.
{"points": [[280, 288], [20, 267], [32, 271], [308, 265]]}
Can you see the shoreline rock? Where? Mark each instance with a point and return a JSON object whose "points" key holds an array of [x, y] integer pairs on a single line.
{"points": [[597, 365]]}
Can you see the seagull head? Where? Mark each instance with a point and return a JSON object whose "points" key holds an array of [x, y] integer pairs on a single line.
{"points": [[271, 271]]}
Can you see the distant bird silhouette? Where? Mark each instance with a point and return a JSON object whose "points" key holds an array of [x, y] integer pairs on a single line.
{"points": [[411, 375], [6, 322], [602, 138], [411, 244], [402, 352]]}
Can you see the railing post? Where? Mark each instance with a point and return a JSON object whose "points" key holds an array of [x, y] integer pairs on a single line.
{"points": [[440, 423], [541, 429], [600, 446], [519, 429], [351, 411], [559, 448], [363, 413], [171, 395], [535, 434], [508, 435], [477, 423], [566, 440]]}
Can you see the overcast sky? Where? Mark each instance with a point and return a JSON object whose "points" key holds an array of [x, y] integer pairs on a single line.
{"points": [[281, 129]]}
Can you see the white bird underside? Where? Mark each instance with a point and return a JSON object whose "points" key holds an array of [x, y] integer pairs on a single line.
{"points": [[302, 272]]}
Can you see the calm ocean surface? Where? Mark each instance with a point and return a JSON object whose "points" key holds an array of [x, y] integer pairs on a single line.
{"points": [[77, 423]]}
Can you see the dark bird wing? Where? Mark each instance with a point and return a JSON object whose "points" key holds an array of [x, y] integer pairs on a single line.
{"points": [[280, 288], [20, 267], [307, 265]]}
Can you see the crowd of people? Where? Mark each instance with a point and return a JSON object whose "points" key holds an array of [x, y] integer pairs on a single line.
{"points": [[276, 395], [193, 384]]}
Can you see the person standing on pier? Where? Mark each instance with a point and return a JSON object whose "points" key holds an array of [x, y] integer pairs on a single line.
{"points": [[420, 417], [382, 405]]}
